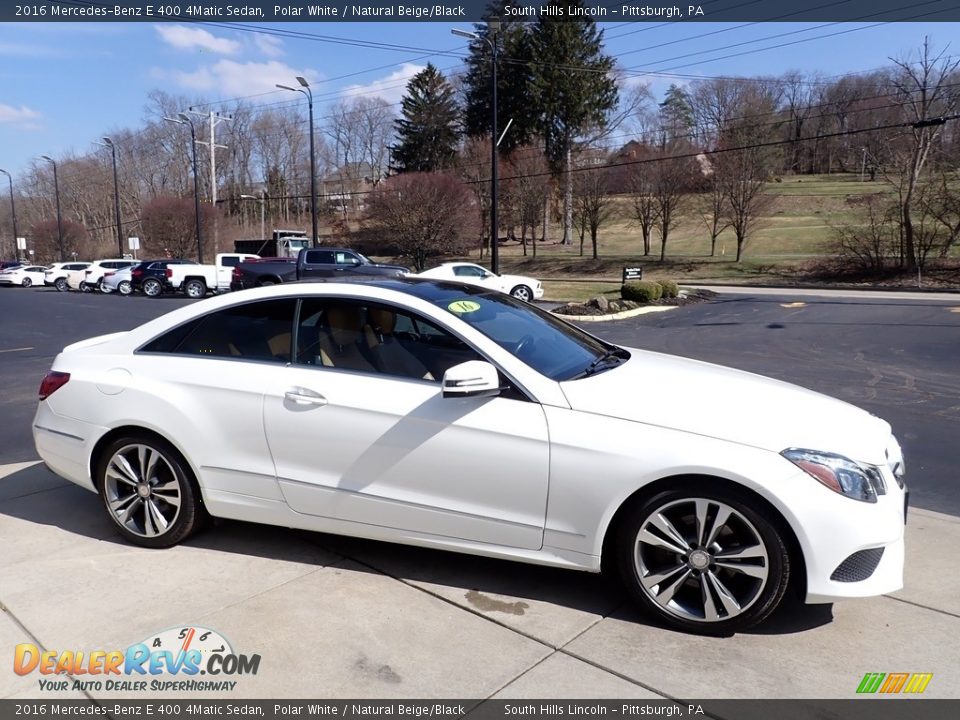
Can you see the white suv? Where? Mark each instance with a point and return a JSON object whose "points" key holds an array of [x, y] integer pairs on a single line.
{"points": [[57, 274], [92, 279]]}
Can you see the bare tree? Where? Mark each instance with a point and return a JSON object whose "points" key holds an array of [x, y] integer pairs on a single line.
{"points": [[927, 93], [673, 179], [169, 225], [422, 214], [592, 202], [531, 190]]}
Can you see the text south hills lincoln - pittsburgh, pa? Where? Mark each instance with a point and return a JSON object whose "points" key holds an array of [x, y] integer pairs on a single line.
{"points": [[365, 11], [636, 11]]}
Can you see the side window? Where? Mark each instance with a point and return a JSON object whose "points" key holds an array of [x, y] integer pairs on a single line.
{"points": [[229, 261], [374, 338], [319, 257], [258, 331], [345, 258]]}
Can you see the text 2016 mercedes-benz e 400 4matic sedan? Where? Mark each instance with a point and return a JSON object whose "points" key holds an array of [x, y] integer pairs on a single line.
{"points": [[450, 416]]}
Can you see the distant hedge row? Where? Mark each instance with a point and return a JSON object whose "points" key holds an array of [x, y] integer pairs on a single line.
{"points": [[646, 291]]}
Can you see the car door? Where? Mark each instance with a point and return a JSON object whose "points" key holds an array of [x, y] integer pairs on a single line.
{"points": [[354, 443], [318, 263]]}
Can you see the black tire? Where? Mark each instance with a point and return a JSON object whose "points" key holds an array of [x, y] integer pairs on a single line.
{"points": [[125, 288], [266, 282], [152, 287], [102, 287], [675, 581], [27, 282], [522, 292], [169, 475], [194, 288], [61, 284], [85, 287]]}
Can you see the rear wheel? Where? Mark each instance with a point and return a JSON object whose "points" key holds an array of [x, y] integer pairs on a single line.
{"points": [[102, 287], [61, 284], [152, 287], [149, 492], [124, 287], [195, 288], [85, 287], [27, 282], [703, 560], [266, 282]]}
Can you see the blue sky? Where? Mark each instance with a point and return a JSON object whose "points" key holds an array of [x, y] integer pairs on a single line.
{"points": [[63, 85]]}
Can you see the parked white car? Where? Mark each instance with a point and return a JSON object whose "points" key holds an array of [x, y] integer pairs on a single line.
{"points": [[520, 286], [118, 280], [92, 277], [25, 275], [445, 416], [58, 275], [195, 281]]}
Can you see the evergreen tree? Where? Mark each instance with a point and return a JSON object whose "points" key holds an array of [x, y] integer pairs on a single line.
{"points": [[513, 80], [427, 130], [572, 88], [676, 114]]}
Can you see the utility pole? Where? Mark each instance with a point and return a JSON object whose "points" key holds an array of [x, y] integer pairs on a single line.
{"points": [[215, 118]]}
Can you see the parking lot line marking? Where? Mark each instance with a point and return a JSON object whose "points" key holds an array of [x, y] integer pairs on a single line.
{"points": [[16, 349]]}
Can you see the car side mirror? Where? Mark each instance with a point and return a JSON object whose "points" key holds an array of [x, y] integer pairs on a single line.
{"points": [[474, 378]]}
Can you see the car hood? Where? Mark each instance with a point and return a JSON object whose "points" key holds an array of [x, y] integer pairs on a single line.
{"points": [[728, 404]]}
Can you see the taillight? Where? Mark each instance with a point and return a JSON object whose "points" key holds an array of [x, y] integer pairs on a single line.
{"points": [[236, 273], [53, 382], [168, 272], [106, 275], [137, 272]]}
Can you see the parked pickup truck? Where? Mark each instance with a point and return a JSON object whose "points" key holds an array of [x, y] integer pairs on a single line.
{"points": [[315, 264], [195, 281]]}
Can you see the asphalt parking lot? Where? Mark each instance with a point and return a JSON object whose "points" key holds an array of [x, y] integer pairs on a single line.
{"points": [[336, 617]]}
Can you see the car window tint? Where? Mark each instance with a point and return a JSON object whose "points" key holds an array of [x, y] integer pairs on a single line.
{"points": [[469, 271], [259, 331], [345, 258], [229, 261], [375, 338], [319, 257]]}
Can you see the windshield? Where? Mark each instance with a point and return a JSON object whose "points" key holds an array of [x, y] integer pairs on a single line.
{"points": [[548, 345]]}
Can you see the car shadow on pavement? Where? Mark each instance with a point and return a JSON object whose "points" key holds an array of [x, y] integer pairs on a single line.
{"points": [[500, 590]]}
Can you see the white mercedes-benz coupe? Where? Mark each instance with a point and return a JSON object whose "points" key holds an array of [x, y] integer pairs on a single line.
{"points": [[449, 416]]}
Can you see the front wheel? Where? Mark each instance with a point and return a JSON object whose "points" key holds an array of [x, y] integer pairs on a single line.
{"points": [[85, 287], [702, 560], [148, 492], [195, 288], [102, 287], [125, 288], [522, 292], [61, 285], [152, 287]]}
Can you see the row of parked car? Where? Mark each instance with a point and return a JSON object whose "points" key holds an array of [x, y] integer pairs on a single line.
{"points": [[237, 271]]}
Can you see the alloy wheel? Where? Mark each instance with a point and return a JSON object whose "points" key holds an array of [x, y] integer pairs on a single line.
{"points": [[142, 491], [700, 560]]}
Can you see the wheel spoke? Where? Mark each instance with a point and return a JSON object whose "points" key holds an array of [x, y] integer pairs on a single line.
{"points": [[709, 606], [742, 553], [127, 514], [160, 522], [665, 595], [661, 522], [730, 605], [756, 571], [119, 476], [123, 465], [120, 505], [173, 499], [648, 538], [723, 514]]}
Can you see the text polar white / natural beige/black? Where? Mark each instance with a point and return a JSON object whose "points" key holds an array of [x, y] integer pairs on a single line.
{"points": [[364, 11]]}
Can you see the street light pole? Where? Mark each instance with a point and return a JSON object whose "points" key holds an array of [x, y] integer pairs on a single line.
{"points": [[305, 90], [263, 203], [56, 189], [493, 27], [184, 119], [13, 213], [116, 193]]}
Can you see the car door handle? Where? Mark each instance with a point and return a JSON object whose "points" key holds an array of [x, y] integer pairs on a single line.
{"points": [[302, 396]]}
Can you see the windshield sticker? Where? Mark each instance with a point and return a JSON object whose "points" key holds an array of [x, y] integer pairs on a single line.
{"points": [[461, 307]]}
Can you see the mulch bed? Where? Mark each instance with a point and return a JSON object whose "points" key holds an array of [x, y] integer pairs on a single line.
{"points": [[595, 306]]}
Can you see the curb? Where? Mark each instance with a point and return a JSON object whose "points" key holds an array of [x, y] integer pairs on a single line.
{"points": [[623, 315]]}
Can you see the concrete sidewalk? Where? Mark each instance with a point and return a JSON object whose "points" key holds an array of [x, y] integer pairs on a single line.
{"points": [[335, 617]]}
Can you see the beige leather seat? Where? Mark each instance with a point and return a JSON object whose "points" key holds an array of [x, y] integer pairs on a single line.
{"points": [[390, 356], [340, 342]]}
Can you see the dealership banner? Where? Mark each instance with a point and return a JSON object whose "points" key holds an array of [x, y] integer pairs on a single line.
{"points": [[489, 709], [257, 11]]}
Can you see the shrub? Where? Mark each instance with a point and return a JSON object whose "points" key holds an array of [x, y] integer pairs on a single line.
{"points": [[670, 288], [641, 291]]}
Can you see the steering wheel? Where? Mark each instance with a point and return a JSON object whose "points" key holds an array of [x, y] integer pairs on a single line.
{"points": [[526, 343]]}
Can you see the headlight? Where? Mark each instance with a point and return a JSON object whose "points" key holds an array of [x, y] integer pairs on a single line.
{"points": [[838, 473]]}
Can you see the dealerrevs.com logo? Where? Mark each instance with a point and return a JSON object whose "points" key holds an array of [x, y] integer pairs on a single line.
{"points": [[891, 683], [170, 660]]}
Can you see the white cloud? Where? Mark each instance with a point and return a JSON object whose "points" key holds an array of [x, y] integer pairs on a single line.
{"points": [[391, 88], [22, 116], [269, 45], [188, 38], [229, 77]]}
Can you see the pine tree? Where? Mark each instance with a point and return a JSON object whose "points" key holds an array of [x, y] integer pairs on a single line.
{"points": [[676, 113], [427, 130], [513, 80], [572, 88]]}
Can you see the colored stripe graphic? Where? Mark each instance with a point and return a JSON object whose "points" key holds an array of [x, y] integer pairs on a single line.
{"points": [[894, 682], [918, 682], [870, 682]]}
